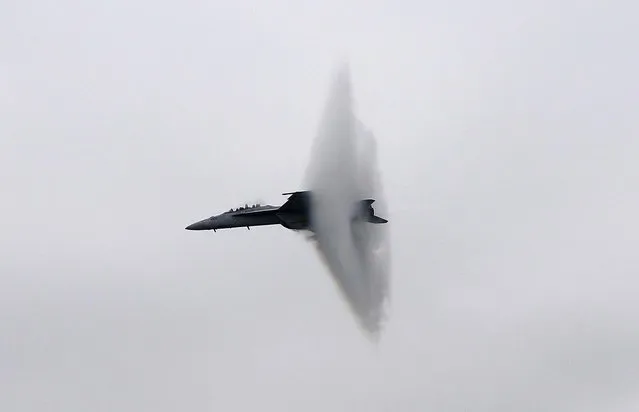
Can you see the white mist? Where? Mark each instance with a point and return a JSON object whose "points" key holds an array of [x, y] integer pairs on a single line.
{"points": [[342, 171]]}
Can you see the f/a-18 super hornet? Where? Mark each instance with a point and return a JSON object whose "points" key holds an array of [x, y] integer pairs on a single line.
{"points": [[294, 214]]}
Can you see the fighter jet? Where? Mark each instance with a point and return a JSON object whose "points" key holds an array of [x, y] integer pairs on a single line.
{"points": [[294, 214]]}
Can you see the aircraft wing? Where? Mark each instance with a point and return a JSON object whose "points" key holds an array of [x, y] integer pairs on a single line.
{"points": [[296, 201]]}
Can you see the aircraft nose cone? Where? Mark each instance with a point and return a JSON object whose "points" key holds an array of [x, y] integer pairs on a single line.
{"points": [[201, 225]]}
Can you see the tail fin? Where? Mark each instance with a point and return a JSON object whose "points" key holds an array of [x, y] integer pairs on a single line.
{"points": [[368, 213]]}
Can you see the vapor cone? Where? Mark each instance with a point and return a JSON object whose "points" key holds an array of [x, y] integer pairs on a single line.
{"points": [[342, 171]]}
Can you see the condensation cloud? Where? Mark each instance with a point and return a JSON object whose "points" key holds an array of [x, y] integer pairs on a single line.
{"points": [[342, 171]]}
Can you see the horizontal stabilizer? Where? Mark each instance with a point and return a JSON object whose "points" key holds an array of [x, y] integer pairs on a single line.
{"points": [[376, 219]]}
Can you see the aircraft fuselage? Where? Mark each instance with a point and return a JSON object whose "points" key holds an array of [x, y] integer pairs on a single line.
{"points": [[294, 215]]}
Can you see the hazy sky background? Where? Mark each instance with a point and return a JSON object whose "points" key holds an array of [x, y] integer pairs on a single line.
{"points": [[507, 137]]}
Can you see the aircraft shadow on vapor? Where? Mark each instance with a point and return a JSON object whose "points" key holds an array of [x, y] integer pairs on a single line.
{"points": [[294, 214]]}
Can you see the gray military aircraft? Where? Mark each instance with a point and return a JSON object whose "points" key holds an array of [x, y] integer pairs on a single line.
{"points": [[294, 214]]}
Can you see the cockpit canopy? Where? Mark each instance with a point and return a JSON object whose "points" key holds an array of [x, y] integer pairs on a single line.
{"points": [[245, 207]]}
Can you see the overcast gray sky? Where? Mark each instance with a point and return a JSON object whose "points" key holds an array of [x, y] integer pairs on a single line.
{"points": [[507, 137]]}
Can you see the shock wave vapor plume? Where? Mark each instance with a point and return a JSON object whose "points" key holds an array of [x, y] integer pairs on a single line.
{"points": [[342, 170]]}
